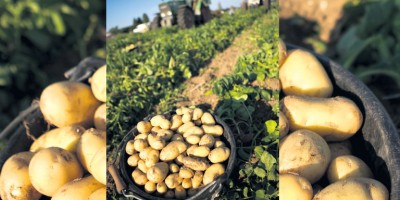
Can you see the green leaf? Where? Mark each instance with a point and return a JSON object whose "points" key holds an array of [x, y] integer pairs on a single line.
{"points": [[271, 126], [260, 194], [258, 151], [246, 192], [58, 23], [268, 160], [260, 172]]}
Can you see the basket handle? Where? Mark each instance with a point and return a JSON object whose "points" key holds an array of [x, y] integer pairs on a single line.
{"points": [[120, 184]]}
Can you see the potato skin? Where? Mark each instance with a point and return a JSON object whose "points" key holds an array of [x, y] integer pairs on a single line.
{"points": [[197, 164], [99, 194], [100, 118], [52, 168], [305, 153], [282, 52], [98, 165], [98, 83], [79, 189], [14, 180], [68, 103], [283, 125], [91, 141], [347, 166], [335, 119], [213, 172], [158, 172], [294, 75], [219, 155], [354, 189], [294, 187]]}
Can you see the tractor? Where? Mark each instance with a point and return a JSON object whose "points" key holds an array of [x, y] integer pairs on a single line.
{"points": [[185, 13]]}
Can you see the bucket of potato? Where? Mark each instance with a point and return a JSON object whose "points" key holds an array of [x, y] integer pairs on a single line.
{"points": [[57, 147], [184, 154], [337, 140]]}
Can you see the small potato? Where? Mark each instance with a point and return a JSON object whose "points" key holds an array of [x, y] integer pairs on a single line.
{"points": [[219, 143], [185, 172], [91, 141], [166, 135], [174, 168], [133, 160], [152, 157], [100, 118], [150, 187], [79, 189], [193, 139], [207, 119], [161, 121], [172, 150], [156, 142], [354, 189], [183, 110], [282, 52], [173, 180], [335, 119], [161, 188], [214, 130], [169, 194], [142, 136], [347, 166], [143, 154], [99, 194], [142, 166], [144, 127], [186, 126], [340, 148], [198, 151], [283, 125], [187, 117], [305, 153], [140, 144], [157, 172], [187, 183], [139, 177], [195, 130], [213, 172], [176, 122], [98, 83], [155, 129], [180, 192], [294, 187], [177, 137], [130, 148], [197, 114], [219, 155], [197, 164], [207, 140], [197, 179]]}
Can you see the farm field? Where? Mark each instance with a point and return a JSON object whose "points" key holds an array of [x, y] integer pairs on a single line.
{"points": [[228, 66]]}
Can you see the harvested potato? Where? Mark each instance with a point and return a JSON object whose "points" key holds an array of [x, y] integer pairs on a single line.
{"points": [[143, 154], [347, 166], [340, 148], [197, 114], [213, 172], [142, 166], [166, 135], [155, 129], [130, 148], [176, 122], [207, 140], [187, 117], [99, 194], [14, 180], [294, 187], [335, 119], [156, 142], [179, 160], [142, 136], [144, 127], [98, 165], [195, 130], [186, 172], [207, 119], [219, 143], [173, 180], [283, 125], [158, 172], [198, 151], [295, 78], [197, 179], [197, 122], [219, 155], [161, 188], [172, 150], [169, 194], [161, 121], [66, 138], [139, 177], [177, 137], [78, 189], [354, 189], [91, 141], [68, 103], [214, 130], [180, 192], [133, 160], [193, 139], [174, 168], [305, 153], [187, 183], [186, 126], [152, 157], [197, 164], [99, 84], [53, 165], [140, 144], [282, 52], [100, 118], [150, 187]]}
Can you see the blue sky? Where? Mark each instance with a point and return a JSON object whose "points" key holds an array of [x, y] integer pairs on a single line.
{"points": [[121, 12]]}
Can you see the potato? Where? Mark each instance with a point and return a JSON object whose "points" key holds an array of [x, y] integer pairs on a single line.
{"points": [[100, 118], [347, 166], [176, 122], [152, 157], [91, 141], [197, 179], [305, 153], [14, 180], [98, 82], [282, 52], [177, 137], [187, 117], [198, 151], [144, 127], [207, 140], [130, 148], [179, 160], [99, 194], [155, 129], [183, 110], [294, 187], [214, 130], [98, 165], [166, 135], [219, 143], [340, 148], [139, 177], [150, 187], [174, 168], [68, 103], [169, 194], [140, 144], [283, 125], [173, 180], [143, 154], [187, 183], [295, 78], [142, 166], [161, 188], [161, 121], [78, 189], [66, 138], [180, 192], [53, 167], [172, 150], [184, 127], [193, 139], [185, 172], [213, 172], [142, 136], [335, 119], [207, 119], [354, 189], [156, 142], [197, 164], [219, 155], [197, 122], [197, 114], [195, 130], [157, 172], [133, 160]]}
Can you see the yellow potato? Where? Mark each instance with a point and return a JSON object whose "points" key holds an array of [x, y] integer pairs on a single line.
{"points": [[142, 166], [156, 142], [139, 177], [187, 117], [158, 172], [99, 194], [68, 103], [140, 144], [130, 148], [176, 122], [294, 187], [283, 125], [98, 83], [198, 151], [98, 165], [14, 180], [144, 127], [197, 114], [347, 166], [207, 119], [66, 138], [185, 172], [91, 141], [162, 188], [192, 139], [173, 180], [207, 140], [100, 118], [187, 183], [172, 150], [302, 74], [150, 187], [213, 172], [219, 155], [180, 192], [161, 121], [184, 127], [52, 168], [78, 189], [282, 52], [197, 164], [335, 119], [214, 130], [195, 130], [133, 160], [197, 179]]}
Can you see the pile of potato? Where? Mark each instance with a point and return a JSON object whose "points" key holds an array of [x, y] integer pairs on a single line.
{"points": [[68, 161], [176, 157], [318, 144]]}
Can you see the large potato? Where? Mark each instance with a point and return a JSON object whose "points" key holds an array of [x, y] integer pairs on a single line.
{"points": [[66, 138], [100, 118], [91, 141], [79, 189], [305, 153], [98, 165], [68, 103], [98, 83], [53, 167], [293, 187], [14, 180], [354, 189], [335, 119], [99, 194], [347, 166], [302, 74]]}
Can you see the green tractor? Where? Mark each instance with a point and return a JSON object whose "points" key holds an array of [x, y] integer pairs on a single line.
{"points": [[185, 13]]}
